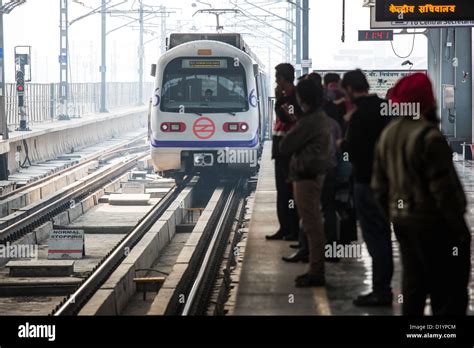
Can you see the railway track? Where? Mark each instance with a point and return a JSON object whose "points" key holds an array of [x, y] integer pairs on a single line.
{"points": [[29, 218], [198, 281], [74, 303], [198, 286], [110, 153]]}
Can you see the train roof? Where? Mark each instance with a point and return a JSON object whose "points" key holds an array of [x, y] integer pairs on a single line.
{"points": [[233, 39]]}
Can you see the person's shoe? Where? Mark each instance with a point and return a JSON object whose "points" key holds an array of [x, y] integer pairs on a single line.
{"points": [[296, 257], [277, 236], [374, 300], [291, 238], [295, 246], [307, 280]]}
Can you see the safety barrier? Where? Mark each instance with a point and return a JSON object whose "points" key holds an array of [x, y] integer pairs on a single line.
{"points": [[42, 100]]}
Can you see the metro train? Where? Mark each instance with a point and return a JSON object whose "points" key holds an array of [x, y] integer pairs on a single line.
{"points": [[209, 110]]}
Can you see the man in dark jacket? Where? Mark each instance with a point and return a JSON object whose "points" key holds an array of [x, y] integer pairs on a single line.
{"points": [[287, 112], [417, 185], [364, 129], [310, 145]]}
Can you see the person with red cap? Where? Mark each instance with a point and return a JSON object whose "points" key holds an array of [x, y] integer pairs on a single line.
{"points": [[416, 184]]}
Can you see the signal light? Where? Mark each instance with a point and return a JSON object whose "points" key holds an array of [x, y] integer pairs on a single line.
{"points": [[238, 127], [20, 82], [173, 127]]}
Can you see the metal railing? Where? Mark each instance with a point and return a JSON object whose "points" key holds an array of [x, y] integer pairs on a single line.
{"points": [[42, 100]]}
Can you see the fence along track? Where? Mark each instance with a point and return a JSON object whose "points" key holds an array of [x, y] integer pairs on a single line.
{"points": [[42, 99]]}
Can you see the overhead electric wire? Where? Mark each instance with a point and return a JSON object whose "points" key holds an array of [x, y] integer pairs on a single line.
{"points": [[411, 51]]}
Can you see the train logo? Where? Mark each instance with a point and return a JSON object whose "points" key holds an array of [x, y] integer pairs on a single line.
{"points": [[204, 128]]}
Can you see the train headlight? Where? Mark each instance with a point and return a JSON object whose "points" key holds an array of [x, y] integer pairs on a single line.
{"points": [[175, 127], [240, 127], [244, 127]]}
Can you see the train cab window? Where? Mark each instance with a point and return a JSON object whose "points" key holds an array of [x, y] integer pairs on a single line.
{"points": [[204, 86]]}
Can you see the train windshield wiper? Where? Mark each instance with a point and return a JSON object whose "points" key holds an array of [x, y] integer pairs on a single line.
{"points": [[194, 112], [232, 113]]}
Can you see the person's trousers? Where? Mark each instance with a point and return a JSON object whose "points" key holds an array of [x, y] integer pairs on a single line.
{"points": [[328, 204], [308, 195], [377, 236], [286, 207], [436, 262]]}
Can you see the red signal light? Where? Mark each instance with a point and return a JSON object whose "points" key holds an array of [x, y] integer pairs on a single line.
{"points": [[20, 89]]}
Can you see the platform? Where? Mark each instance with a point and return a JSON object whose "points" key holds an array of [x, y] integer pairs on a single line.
{"points": [[266, 285], [48, 140]]}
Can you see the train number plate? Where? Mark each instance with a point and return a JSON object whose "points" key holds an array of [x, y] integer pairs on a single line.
{"points": [[203, 160]]}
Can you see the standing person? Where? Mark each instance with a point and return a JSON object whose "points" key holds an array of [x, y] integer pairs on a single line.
{"points": [[330, 78], [335, 105], [365, 126], [328, 196], [287, 112], [417, 185], [309, 144], [302, 253]]}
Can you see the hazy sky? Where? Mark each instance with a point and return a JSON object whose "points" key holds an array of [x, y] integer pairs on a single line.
{"points": [[36, 23]]}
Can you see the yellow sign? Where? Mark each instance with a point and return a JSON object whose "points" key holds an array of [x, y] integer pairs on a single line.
{"points": [[428, 8]]}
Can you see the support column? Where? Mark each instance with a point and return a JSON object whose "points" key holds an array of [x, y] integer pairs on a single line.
{"points": [[63, 60], [141, 54], [298, 38], [463, 82], [3, 115], [305, 33], [103, 67], [444, 46]]}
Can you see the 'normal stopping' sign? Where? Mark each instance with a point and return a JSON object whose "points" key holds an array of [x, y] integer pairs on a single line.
{"points": [[66, 244]]}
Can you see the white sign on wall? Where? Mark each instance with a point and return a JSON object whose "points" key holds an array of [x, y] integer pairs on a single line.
{"points": [[66, 244], [307, 63], [380, 81]]}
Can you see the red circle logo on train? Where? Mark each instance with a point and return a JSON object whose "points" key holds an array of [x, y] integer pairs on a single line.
{"points": [[204, 128]]}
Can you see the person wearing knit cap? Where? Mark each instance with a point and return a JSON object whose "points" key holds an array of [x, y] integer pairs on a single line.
{"points": [[416, 184]]}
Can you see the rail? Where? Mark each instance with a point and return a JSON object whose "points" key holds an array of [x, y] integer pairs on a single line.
{"points": [[44, 210], [73, 304], [200, 286]]}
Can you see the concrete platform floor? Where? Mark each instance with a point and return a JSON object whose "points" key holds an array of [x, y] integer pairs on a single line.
{"points": [[106, 219], [266, 285], [42, 169]]}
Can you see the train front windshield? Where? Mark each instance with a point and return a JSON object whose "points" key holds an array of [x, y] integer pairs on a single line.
{"points": [[204, 85]]}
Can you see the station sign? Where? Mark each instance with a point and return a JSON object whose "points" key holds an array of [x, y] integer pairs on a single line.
{"points": [[380, 81], [424, 10], [66, 245], [416, 24], [307, 63]]}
